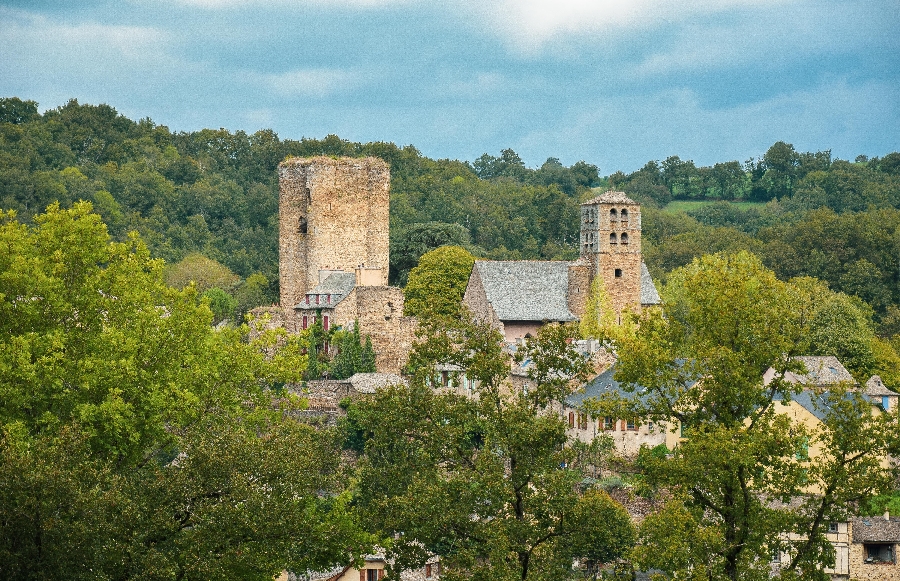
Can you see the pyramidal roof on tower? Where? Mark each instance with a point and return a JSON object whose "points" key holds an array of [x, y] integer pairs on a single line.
{"points": [[610, 197]]}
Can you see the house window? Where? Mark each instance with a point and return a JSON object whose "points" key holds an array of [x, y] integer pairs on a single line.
{"points": [[307, 299], [886, 402], [624, 238], [305, 322], [328, 298], [428, 570], [582, 421], [776, 555], [632, 424], [608, 423], [445, 378], [880, 553], [571, 419], [317, 299], [618, 273], [802, 452], [325, 322], [832, 527], [612, 237]]}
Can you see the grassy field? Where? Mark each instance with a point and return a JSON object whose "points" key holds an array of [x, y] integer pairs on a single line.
{"points": [[686, 205]]}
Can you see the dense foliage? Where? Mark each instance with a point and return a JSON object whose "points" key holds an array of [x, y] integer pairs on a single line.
{"points": [[135, 440], [700, 361]]}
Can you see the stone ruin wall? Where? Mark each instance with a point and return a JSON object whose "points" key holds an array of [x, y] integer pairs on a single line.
{"points": [[333, 215], [380, 312]]}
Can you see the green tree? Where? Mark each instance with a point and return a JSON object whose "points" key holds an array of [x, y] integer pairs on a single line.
{"points": [[221, 303], [354, 355], [726, 320], [436, 286], [486, 482], [136, 441], [204, 272]]}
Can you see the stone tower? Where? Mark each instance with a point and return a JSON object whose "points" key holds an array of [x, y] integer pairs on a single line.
{"points": [[611, 244], [333, 215]]}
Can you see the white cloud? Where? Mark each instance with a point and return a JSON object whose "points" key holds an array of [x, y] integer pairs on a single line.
{"points": [[230, 4], [37, 47], [530, 24], [310, 82]]}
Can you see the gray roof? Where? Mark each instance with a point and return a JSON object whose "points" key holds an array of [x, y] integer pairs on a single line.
{"points": [[370, 382], [610, 197], [817, 403], [604, 384], [649, 294], [876, 388], [338, 285], [820, 370], [526, 290], [876, 529]]}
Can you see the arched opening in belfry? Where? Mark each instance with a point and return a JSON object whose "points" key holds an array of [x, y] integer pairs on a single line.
{"points": [[624, 216], [624, 238], [612, 238], [613, 215]]}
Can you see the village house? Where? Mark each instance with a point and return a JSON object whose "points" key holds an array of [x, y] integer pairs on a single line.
{"points": [[373, 569]]}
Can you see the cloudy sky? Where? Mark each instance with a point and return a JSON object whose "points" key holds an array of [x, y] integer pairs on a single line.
{"points": [[615, 83]]}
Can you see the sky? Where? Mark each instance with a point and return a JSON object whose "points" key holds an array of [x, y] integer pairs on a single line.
{"points": [[615, 83]]}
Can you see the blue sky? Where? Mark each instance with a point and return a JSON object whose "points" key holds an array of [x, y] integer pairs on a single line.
{"points": [[614, 83]]}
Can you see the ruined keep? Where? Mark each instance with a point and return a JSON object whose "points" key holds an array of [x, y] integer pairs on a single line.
{"points": [[333, 216], [333, 245]]}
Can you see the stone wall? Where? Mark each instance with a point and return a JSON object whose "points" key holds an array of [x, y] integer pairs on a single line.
{"points": [[333, 215], [380, 313], [475, 299], [579, 286], [862, 571]]}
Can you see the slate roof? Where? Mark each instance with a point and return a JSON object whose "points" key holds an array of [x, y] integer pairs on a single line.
{"points": [[876, 388], [338, 285], [526, 290], [876, 529], [370, 382], [816, 403], [820, 370], [603, 384], [610, 197], [649, 294]]}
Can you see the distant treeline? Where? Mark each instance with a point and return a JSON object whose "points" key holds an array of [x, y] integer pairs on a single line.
{"points": [[215, 193]]}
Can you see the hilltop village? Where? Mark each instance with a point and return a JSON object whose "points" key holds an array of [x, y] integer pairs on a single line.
{"points": [[334, 268], [572, 425]]}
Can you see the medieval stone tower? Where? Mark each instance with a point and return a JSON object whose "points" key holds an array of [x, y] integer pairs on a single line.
{"points": [[611, 244], [333, 216]]}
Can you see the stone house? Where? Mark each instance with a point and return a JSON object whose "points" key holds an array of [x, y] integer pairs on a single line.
{"points": [[628, 434], [873, 548], [372, 569], [518, 297]]}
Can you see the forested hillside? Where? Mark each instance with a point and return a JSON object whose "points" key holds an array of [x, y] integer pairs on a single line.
{"points": [[214, 192]]}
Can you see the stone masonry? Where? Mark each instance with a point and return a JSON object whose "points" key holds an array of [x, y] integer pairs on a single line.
{"points": [[611, 243], [333, 215]]}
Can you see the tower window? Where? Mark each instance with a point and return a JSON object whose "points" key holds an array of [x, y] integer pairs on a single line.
{"points": [[612, 238], [618, 273], [624, 213], [624, 238], [613, 216]]}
